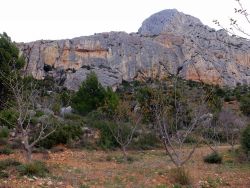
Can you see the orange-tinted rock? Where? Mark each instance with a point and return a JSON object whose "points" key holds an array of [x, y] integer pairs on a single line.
{"points": [[168, 42]]}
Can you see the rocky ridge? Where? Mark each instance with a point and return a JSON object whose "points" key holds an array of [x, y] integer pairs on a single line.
{"points": [[168, 42]]}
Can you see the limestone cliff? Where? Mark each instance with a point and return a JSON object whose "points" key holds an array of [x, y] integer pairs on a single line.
{"points": [[167, 42]]}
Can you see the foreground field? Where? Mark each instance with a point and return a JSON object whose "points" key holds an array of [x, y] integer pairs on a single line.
{"points": [[83, 168]]}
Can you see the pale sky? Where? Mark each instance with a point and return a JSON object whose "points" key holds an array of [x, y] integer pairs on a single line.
{"points": [[29, 20]]}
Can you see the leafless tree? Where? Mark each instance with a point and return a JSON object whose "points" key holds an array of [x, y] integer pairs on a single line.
{"points": [[178, 115], [211, 135], [126, 119], [232, 124], [236, 28], [23, 101]]}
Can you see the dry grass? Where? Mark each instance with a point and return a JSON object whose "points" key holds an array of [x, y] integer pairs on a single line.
{"points": [[73, 168]]}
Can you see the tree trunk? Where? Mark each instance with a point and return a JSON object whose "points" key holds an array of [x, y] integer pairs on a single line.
{"points": [[125, 156], [28, 154], [27, 148]]}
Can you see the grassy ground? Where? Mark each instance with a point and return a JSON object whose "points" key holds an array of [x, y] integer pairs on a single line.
{"points": [[83, 168]]}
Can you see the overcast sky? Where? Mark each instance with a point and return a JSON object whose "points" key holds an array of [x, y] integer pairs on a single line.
{"points": [[28, 20]]}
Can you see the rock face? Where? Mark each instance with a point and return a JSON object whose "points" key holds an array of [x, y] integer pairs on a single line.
{"points": [[168, 42]]}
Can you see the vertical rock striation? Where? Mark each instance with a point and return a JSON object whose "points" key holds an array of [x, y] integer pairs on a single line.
{"points": [[168, 42]]}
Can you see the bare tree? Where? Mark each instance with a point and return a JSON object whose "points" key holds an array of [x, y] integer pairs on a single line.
{"points": [[235, 27], [232, 124], [211, 134], [126, 119], [23, 102], [177, 116]]}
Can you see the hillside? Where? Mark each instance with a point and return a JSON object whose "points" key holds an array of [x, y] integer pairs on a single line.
{"points": [[167, 42]]}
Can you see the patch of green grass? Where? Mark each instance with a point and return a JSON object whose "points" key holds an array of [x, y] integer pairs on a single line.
{"points": [[8, 163], [6, 151], [180, 176], [5, 164], [35, 168]]}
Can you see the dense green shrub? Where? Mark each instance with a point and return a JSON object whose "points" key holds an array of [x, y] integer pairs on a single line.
{"points": [[111, 101], [8, 118], [90, 95], [9, 60], [213, 158], [245, 104], [35, 168], [4, 132], [106, 140], [64, 134], [245, 139], [65, 97]]}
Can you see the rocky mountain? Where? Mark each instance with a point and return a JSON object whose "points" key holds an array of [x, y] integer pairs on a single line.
{"points": [[168, 42]]}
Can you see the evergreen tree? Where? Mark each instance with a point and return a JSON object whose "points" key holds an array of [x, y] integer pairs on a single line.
{"points": [[9, 61], [90, 96]]}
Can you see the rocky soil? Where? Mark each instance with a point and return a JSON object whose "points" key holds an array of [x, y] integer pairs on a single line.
{"points": [[75, 168]]}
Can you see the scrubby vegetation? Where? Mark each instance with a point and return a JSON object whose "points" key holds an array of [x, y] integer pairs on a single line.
{"points": [[36, 168], [245, 140], [175, 116], [213, 158], [180, 177]]}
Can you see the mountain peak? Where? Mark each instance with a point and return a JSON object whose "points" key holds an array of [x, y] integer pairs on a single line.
{"points": [[169, 20]]}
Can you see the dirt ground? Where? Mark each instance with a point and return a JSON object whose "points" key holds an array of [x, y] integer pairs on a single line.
{"points": [[84, 168]]}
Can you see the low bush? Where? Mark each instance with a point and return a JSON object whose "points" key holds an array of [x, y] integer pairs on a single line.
{"points": [[8, 163], [4, 132], [190, 140], [245, 104], [3, 175], [245, 140], [64, 134], [146, 141], [8, 118], [5, 164], [3, 141], [6, 151], [213, 158], [121, 159], [35, 168], [180, 176], [106, 140]]}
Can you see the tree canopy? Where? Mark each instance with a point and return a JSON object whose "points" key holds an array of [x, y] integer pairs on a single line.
{"points": [[10, 60], [92, 95]]}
